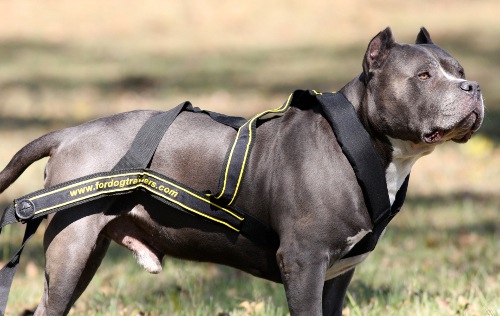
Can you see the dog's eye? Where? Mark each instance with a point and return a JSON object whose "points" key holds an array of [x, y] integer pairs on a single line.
{"points": [[424, 75], [461, 73]]}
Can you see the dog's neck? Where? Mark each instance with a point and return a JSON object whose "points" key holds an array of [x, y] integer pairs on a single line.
{"points": [[398, 156], [404, 154], [355, 92]]}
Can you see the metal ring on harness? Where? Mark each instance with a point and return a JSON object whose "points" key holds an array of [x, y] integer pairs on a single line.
{"points": [[25, 210]]}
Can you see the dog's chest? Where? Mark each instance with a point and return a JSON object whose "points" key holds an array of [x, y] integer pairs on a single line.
{"points": [[396, 172], [345, 264]]}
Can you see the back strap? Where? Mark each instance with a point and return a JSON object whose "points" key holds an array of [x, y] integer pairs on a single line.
{"points": [[151, 133]]}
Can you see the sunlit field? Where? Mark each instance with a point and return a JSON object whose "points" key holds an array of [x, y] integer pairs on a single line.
{"points": [[63, 63]]}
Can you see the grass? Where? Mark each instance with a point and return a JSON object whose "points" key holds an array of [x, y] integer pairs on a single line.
{"points": [[438, 258], [62, 64]]}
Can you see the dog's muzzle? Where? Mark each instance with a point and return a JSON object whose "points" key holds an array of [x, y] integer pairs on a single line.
{"points": [[462, 131]]}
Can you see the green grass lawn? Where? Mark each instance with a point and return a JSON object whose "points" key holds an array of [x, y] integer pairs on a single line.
{"points": [[62, 64]]}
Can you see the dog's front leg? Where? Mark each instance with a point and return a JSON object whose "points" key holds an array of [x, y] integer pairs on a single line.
{"points": [[334, 292], [303, 273]]}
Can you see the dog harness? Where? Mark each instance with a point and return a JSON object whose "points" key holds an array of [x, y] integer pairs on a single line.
{"points": [[132, 174]]}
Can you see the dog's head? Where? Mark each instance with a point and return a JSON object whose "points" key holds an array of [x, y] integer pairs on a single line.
{"points": [[418, 92]]}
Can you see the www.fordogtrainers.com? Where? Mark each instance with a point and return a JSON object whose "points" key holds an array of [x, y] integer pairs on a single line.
{"points": [[124, 184]]}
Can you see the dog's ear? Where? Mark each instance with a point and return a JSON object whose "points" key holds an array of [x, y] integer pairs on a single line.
{"points": [[378, 50], [423, 37]]}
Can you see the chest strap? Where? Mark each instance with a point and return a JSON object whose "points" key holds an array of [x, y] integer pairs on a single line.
{"points": [[366, 163]]}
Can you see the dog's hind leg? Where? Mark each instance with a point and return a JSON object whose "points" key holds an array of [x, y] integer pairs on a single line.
{"points": [[93, 262], [74, 248]]}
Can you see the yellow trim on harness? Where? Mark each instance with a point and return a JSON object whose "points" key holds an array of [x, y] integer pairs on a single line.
{"points": [[78, 184], [154, 190], [192, 209], [197, 196], [249, 123], [227, 165], [84, 198]]}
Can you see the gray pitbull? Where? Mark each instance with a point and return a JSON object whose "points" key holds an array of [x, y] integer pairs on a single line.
{"points": [[409, 97]]}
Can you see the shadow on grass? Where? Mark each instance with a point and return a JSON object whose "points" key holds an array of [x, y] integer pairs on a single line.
{"points": [[190, 72], [477, 200]]}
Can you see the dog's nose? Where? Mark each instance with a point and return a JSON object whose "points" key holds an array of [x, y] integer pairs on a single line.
{"points": [[470, 87]]}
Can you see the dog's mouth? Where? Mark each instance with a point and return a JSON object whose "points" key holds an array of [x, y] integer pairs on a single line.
{"points": [[461, 133], [474, 122], [435, 136]]}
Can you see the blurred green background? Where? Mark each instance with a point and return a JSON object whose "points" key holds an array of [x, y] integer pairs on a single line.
{"points": [[65, 62]]}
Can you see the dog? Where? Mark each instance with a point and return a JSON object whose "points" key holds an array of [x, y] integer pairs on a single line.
{"points": [[409, 97]]}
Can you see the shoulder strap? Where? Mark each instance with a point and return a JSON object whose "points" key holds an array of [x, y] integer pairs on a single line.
{"points": [[357, 146], [367, 165]]}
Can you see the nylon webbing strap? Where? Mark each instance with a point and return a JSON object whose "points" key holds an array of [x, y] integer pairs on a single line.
{"points": [[238, 156], [9, 270], [95, 186], [149, 136], [151, 133], [370, 240], [357, 147]]}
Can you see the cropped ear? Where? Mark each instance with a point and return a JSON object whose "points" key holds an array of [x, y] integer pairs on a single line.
{"points": [[378, 50], [423, 37]]}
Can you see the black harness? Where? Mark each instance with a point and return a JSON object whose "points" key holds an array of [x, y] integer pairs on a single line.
{"points": [[132, 174]]}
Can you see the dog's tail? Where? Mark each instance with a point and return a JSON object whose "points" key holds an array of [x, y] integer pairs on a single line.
{"points": [[37, 149]]}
